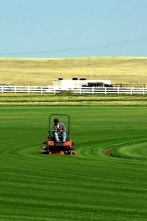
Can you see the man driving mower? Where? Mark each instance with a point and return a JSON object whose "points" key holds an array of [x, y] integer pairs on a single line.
{"points": [[59, 131]]}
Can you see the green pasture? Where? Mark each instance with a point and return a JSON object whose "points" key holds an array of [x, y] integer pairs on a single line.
{"points": [[87, 186], [74, 99]]}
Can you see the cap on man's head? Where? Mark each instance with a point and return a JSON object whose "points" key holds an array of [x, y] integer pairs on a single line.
{"points": [[56, 120]]}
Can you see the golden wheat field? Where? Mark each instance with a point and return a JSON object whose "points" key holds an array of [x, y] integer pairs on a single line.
{"points": [[36, 71]]}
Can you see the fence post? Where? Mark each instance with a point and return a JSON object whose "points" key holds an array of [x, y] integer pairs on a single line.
{"points": [[15, 89], [118, 90], [143, 91], [28, 89], [92, 90], [105, 90], [2, 89], [41, 90], [131, 91]]}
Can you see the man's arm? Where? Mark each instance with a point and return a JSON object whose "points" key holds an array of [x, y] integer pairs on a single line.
{"points": [[62, 128], [55, 129]]}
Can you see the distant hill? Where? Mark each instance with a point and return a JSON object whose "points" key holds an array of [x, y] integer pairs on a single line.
{"points": [[28, 71]]}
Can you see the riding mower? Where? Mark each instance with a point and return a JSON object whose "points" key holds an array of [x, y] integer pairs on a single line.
{"points": [[51, 146]]}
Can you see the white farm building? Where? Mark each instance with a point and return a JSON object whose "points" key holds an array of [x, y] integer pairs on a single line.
{"points": [[77, 83]]}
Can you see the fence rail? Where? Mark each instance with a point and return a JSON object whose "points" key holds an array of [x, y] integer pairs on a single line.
{"points": [[81, 90]]}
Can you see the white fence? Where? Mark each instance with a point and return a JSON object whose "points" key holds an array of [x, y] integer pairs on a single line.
{"points": [[81, 90]]}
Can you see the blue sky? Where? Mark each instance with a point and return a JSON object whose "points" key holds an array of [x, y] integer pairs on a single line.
{"points": [[73, 28]]}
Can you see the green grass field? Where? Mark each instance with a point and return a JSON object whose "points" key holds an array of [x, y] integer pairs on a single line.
{"points": [[88, 186], [60, 100]]}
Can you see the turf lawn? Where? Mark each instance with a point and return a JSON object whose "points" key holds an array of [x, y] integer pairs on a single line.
{"points": [[88, 186]]}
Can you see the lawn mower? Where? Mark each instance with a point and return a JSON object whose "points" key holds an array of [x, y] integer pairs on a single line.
{"points": [[51, 146]]}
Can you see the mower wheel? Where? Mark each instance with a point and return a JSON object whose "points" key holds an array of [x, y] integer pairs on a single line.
{"points": [[44, 146]]}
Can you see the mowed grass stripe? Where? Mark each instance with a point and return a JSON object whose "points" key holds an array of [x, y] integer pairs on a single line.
{"points": [[50, 100], [88, 186], [135, 151]]}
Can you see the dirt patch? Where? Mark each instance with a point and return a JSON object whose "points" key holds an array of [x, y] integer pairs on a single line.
{"points": [[108, 151]]}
